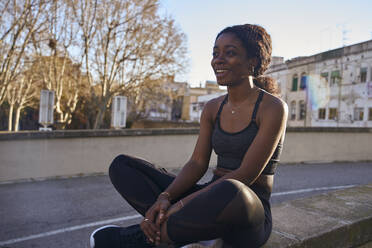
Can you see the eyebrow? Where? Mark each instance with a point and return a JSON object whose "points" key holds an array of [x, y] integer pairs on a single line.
{"points": [[227, 46]]}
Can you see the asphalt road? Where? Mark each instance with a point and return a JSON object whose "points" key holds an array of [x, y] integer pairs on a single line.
{"points": [[63, 212]]}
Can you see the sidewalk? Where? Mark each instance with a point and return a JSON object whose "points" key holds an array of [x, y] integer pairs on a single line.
{"points": [[368, 245], [337, 219]]}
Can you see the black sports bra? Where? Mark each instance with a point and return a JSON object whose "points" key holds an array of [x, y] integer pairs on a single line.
{"points": [[231, 147]]}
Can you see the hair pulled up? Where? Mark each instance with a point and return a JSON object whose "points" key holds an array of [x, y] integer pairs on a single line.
{"points": [[257, 43]]}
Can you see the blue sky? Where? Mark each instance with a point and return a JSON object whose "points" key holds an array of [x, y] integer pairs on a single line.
{"points": [[297, 28]]}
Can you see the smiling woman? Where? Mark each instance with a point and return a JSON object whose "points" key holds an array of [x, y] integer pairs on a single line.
{"points": [[247, 46], [246, 130]]}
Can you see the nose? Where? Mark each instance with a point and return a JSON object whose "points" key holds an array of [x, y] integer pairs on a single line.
{"points": [[218, 60]]}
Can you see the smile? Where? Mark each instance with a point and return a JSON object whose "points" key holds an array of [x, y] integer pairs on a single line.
{"points": [[221, 72]]}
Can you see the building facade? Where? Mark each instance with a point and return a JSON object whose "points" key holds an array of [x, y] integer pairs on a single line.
{"points": [[197, 108], [332, 89], [196, 98], [181, 102], [170, 105]]}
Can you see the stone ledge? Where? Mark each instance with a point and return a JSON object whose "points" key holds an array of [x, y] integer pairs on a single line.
{"points": [[22, 135], [337, 219], [56, 134], [330, 129]]}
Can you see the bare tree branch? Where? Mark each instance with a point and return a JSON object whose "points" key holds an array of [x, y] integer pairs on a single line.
{"points": [[131, 46], [19, 22]]}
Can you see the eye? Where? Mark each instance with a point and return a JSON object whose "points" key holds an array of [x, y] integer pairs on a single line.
{"points": [[231, 53], [214, 54]]}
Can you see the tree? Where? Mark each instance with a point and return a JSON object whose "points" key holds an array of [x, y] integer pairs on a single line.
{"points": [[19, 22], [85, 50], [21, 92], [65, 78], [159, 96], [126, 45], [54, 65], [147, 97]]}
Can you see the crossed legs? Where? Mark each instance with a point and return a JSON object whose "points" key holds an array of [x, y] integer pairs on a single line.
{"points": [[230, 209]]}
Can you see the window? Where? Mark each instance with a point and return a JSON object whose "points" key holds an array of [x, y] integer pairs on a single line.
{"points": [[335, 77], [294, 83], [201, 105], [363, 75], [194, 107], [370, 114], [332, 114], [358, 114], [302, 110], [293, 110], [303, 82], [321, 113], [324, 75]]}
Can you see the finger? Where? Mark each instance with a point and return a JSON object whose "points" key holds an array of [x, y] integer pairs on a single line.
{"points": [[157, 242], [152, 227], [144, 229], [158, 222], [163, 210], [148, 231], [160, 218], [155, 230], [172, 210], [151, 216], [148, 235], [151, 223]]}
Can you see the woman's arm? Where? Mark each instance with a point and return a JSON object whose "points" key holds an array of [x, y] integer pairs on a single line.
{"points": [[198, 164], [193, 170]]}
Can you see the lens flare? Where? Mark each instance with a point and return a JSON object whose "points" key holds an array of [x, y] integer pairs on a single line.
{"points": [[317, 91]]}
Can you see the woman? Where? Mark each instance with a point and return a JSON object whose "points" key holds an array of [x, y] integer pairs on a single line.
{"points": [[246, 130]]}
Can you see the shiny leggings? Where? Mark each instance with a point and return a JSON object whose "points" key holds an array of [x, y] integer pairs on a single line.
{"points": [[229, 210]]}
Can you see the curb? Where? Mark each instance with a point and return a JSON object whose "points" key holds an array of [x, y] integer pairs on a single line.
{"points": [[336, 219]]}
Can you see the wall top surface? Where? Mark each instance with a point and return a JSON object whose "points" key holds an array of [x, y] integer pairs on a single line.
{"points": [[58, 134]]}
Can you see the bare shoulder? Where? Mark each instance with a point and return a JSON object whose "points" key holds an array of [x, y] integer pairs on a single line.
{"points": [[212, 106], [273, 106]]}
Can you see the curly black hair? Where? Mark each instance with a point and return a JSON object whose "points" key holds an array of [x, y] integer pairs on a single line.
{"points": [[257, 43]]}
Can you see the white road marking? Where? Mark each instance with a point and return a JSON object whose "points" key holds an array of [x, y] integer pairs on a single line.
{"points": [[311, 190], [69, 229], [105, 222]]}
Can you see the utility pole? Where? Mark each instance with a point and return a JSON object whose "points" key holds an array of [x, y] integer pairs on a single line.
{"points": [[344, 32], [344, 39]]}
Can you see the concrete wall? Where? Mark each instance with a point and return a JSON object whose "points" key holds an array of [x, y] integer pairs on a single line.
{"points": [[327, 145], [32, 155]]}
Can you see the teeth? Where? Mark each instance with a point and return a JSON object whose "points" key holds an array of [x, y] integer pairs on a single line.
{"points": [[219, 71]]}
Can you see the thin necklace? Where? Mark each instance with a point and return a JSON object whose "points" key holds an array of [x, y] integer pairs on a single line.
{"points": [[236, 108]]}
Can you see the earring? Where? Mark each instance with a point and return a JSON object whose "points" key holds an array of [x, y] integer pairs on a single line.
{"points": [[252, 70]]}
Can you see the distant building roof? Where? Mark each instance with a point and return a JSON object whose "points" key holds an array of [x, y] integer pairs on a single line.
{"points": [[326, 55], [334, 53]]}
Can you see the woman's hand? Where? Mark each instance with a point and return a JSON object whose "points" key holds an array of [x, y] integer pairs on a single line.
{"points": [[164, 204], [154, 217], [149, 230], [174, 208]]}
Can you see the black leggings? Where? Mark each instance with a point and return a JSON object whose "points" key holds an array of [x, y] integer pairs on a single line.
{"points": [[229, 210]]}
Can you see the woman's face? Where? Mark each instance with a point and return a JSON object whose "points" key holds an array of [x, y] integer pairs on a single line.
{"points": [[230, 62]]}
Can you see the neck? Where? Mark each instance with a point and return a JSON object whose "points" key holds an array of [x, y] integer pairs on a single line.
{"points": [[241, 92]]}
